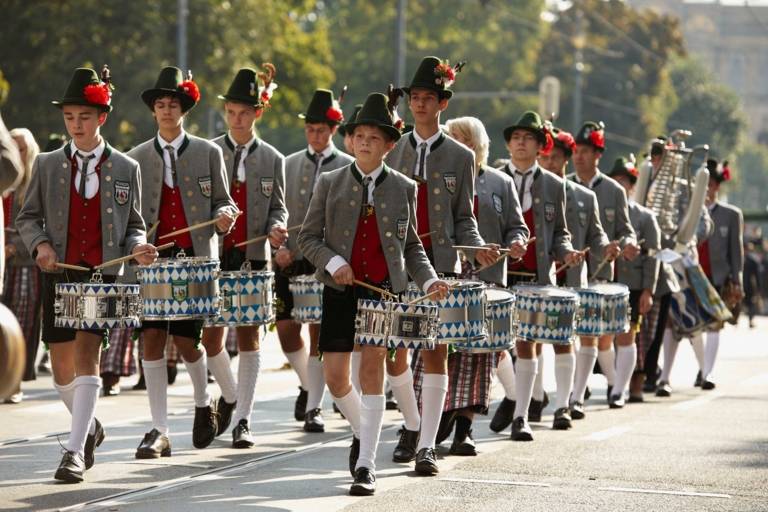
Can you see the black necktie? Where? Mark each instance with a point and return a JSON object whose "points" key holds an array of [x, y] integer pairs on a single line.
{"points": [[366, 189], [235, 168], [521, 189], [420, 172], [83, 173], [172, 155]]}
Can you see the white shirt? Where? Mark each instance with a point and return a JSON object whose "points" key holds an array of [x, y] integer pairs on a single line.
{"points": [[246, 150], [176, 143], [328, 151], [338, 261], [419, 141], [526, 199], [91, 178], [591, 182]]}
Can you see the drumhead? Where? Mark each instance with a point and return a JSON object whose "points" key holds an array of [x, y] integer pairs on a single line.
{"points": [[611, 288], [248, 274], [464, 283], [498, 294], [544, 292], [180, 262]]}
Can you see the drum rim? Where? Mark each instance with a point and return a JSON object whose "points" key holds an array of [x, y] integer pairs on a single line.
{"points": [[564, 292], [177, 262], [236, 274]]}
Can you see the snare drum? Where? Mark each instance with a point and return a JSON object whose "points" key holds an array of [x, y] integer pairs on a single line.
{"points": [[590, 316], [396, 325], [615, 308], [545, 314], [307, 295], [246, 298], [462, 312], [499, 314], [97, 305], [181, 288]]}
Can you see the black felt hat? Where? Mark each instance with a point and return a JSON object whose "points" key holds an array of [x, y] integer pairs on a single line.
{"points": [[87, 89], [624, 167], [323, 109], [244, 88], [343, 127], [435, 75], [376, 112], [592, 134], [529, 121], [171, 82]]}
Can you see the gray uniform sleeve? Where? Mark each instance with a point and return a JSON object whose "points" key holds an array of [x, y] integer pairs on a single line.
{"points": [[705, 227], [561, 238], [221, 200], [652, 234], [597, 240], [464, 221], [623, 226], [136, 232], [416, 261], [514, 222], [311, 238], [736, 248], [30, 221], [278, 212]]}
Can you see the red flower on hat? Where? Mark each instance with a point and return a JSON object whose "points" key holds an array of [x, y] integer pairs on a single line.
{"points": [[597, 139], [566, 140], [726, 172], [549, 141], [334, 114], [189, 87], [631, 169], [445, 74], [100, 94]]}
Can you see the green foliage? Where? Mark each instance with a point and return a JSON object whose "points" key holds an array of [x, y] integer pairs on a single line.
{"points": [[750, 179]]}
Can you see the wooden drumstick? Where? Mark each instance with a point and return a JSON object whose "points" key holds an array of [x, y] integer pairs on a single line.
{"points": [[524, 274], [193, 227], [424, 297], [425, 235], [480, 269], [152, 229], [530, 241], [131, 256], [478, 248], [381, 291], [67, 266], [566, 265], [602, 264], [264, 237]]}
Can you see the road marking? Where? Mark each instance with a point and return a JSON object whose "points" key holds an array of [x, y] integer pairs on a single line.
{"points": [[602, 435], [495, 482], [672, 493], [696, 402]]}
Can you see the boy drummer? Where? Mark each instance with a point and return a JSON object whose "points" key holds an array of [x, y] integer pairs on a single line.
{"points": [[359, 228], [83, 207], [184, 183], [255, 172]]}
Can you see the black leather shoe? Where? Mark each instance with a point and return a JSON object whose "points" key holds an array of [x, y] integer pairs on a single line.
{"points": [[172, 372], [444, 429], [140, 385], [365, 483], [635, 399], [154, 445], [354, 453], [504, 415], [463, 445], [241, 436], [313, 421], [405, 451], [91, 442], [225, 410], [112, 390], [587, 393], [426, 462], [301, 405], [521, 430], [664, 389], [616, 402], [391, 403], [697, 382], [577, 411], [206, 425], [707, 385], [536, 407], [562, 419], [71, 468]]}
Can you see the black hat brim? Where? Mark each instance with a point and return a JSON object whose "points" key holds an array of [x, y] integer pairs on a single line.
{"points": [[538, 133], [393, 132], [150, 95], [314, 119], [442, 93], [81, 102], [623, 172]]}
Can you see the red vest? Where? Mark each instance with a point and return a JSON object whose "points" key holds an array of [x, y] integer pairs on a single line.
{"points": [[368, 261], [474, 209], [528, 263], [84, 228], [706, 266], [422, 214], [239, 193], [7, 206], [172, 217]]}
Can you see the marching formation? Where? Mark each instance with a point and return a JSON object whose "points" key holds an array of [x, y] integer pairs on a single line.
{"points": [[417, 266]]}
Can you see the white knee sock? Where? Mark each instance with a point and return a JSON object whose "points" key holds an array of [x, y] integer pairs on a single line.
{"points": [[433, 391], [538, 382], [402, 388], [198, 373], [349, 405], [670, 345], [371, 418], [222, 372], [355, 371], [156, 377], [526, 374], [316, 382], [710, 355], [66, 393], [565, 366], [298, 361], [506, 374], [607, 360], [626, 358], [585, 362], [248, 367], [83, 409], [697, 342]]}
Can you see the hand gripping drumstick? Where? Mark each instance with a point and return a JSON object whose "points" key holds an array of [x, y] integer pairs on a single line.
{"points": [[530, 241], [606, 260], [381, 291], [566, 265], [195, 226], [264, 237], [131, 256]]}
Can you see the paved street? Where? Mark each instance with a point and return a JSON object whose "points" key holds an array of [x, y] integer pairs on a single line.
{"points": [[695, 451]]}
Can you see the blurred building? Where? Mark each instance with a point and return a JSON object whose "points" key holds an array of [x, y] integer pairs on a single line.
{"points": [[731, 37]]}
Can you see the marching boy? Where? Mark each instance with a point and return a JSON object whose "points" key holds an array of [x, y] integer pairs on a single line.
{"points": [[257, 185], [83, 207], [184, 183], [359, 227]]}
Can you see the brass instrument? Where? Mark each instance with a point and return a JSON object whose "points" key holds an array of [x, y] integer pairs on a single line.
{"points": [[12, 352]]}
